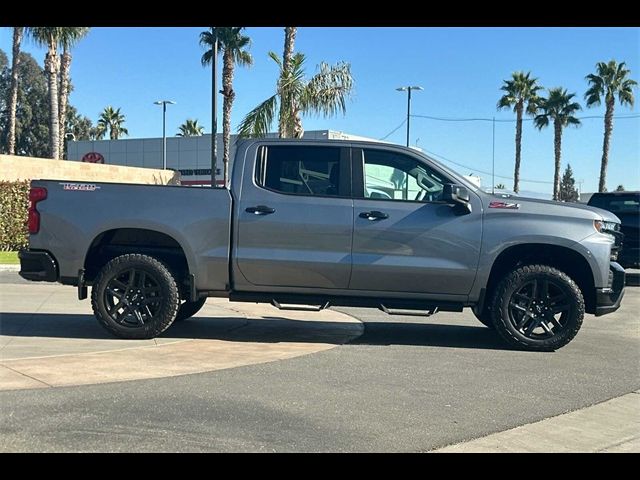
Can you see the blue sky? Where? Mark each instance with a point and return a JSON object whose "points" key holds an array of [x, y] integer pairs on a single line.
{"points": [[461, 70]]}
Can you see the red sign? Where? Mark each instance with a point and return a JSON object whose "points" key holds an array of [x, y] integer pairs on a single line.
{"points": [[93, 157]]}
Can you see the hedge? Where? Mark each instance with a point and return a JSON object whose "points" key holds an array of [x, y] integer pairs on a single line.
{"points": [[14, 203]]}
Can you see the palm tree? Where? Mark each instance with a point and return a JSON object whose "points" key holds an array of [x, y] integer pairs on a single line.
{"points": [[520, 91], [610, 79], [232, 44], [325, 93], [18, 33], [112, 121], [287, 56], [559, 108], [190, 128], [49, 37], [68, 38]]}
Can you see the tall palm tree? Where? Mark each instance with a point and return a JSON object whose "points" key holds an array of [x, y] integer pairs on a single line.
{"points": [[325, 93], [68, 38], [610, 79], [232, 44], [18, 33], [521, 92], [190, 128], [559, 108], [111, 120], [287, 57], [49, 37]]}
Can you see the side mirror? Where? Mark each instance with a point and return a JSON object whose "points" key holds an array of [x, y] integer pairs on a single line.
{"points": [[457, 195]]}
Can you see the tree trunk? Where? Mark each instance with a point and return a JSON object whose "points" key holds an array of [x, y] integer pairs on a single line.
{"points": [[285, 129], [229, 95], [516, 173], [557, 147], [51, 67], [65, 65], [13, 97], [608, 128]]}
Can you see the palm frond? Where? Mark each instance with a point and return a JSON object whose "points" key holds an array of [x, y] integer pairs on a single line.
{"points": [[541, 121], [275, 58], [259, 120], [327, 91]]}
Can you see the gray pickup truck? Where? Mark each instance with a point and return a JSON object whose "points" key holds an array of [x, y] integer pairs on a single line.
{"points": [[327, 223]]}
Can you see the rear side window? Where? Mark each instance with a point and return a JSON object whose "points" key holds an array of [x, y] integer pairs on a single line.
{"points": [[617, 203], [300, 170]]}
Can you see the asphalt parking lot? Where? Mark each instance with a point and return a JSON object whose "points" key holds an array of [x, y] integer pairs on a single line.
{"points": [[398, 384]]}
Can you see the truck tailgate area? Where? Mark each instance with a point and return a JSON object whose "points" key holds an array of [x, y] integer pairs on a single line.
{"points": [[75, 214]]}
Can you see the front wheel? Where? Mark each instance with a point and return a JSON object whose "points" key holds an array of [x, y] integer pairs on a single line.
{"points": [[135, 296], [538, 308]]}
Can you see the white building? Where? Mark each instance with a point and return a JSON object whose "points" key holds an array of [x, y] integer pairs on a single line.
{"points": [[191, 156]]}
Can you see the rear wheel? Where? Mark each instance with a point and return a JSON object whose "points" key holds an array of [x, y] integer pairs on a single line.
{"points": [[538, 307], [135, 296], [189, 309]]}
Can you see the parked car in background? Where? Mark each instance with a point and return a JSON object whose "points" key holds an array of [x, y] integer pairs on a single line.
{"points": [[626, 206]]}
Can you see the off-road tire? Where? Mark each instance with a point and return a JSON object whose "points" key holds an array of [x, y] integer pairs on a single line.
{"points": [[504, 311], [153, 275]]}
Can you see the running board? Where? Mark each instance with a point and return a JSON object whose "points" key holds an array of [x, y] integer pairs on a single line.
{"points": [[409, 312], [304, 308]]}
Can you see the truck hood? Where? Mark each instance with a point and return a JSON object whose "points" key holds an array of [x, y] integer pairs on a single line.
{"points": [[559, 208]]}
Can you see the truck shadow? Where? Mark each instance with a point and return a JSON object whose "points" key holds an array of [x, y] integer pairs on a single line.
{"points": [[262, 330]]}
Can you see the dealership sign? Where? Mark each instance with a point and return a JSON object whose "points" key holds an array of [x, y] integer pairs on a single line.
{"points": [[93, 157]]}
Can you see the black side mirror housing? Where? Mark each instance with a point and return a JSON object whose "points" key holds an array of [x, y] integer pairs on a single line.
{"points": [[457, 195]]}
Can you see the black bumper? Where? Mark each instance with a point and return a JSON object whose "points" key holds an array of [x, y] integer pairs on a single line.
{"points": [[37, 266], [608, 299]]}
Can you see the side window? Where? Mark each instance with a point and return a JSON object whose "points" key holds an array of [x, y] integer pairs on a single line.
{"points": [[394, 176], [299, 170]]}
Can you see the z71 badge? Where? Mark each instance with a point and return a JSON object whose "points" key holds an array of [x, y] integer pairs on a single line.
{"points": [[85, 187]]}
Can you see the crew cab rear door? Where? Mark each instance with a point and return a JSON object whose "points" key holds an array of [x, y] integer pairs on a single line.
{"points": [[405, 238], [294, 217]]}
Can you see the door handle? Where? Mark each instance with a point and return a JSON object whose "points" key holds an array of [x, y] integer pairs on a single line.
{"points": [[260, 210], [374, 215]]}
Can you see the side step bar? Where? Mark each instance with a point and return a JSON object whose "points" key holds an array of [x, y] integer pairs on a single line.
{"points": [[391, 306], [304, 308], [409, 312]]}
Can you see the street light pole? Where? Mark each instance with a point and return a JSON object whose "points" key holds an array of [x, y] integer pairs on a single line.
{"points": [[164, 129], [408, 90], [214, 112]]}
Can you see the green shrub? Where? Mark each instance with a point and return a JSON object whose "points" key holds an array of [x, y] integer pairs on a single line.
{"points": [[14, 203]]}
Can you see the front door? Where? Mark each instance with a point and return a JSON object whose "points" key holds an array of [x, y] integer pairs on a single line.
{"points": [[405, 239], [295, 218]]}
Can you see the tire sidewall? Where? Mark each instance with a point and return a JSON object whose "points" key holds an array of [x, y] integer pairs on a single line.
{"points": [[169, 291], [513, 282]]}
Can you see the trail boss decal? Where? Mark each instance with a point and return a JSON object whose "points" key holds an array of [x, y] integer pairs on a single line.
{"points": [[84, 187]]}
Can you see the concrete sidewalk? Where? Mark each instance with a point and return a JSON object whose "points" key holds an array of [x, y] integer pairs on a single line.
{"points": [[608, 427], [56, 341]]}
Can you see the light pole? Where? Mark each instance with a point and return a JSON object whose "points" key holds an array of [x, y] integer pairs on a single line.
{"points": [[214, 109], [67, 136], [408, 90], [164, 129]]}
